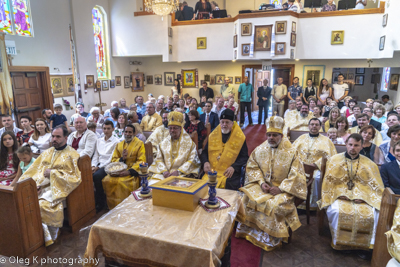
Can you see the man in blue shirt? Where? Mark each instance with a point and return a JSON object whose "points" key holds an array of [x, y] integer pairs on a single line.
{"points": [[141, 107], [295, 90], [245, 91]]}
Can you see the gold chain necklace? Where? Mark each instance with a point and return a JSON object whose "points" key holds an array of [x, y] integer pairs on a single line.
{"points": [[351, 184]]}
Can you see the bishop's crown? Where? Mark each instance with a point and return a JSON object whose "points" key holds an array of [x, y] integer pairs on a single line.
{"points": [[275, 124]]}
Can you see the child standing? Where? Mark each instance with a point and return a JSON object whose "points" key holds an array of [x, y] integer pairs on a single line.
{"points": [[26, 159], [58, 118], [8, 158]]}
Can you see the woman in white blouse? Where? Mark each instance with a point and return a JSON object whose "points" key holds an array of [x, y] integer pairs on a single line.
{"points": [[41, 138]]}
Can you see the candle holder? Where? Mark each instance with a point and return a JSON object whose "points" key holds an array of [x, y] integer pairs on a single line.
{"points": [[145, 192], [212, 202]]}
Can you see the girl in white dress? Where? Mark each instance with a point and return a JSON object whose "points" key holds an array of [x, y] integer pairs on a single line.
{"points": [[176, 89], [41, 138]]}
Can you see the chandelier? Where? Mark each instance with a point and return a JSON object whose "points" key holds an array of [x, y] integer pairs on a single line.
{"points": [[161, 7]]}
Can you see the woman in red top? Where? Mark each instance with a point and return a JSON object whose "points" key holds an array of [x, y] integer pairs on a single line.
{"points": [[24, 135]]}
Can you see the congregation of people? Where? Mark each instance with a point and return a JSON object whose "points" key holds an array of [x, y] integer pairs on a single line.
{"points": [[271, 177]]}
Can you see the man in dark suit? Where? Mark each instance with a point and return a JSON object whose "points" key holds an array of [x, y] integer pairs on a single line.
{"points": [[179, 13], [390, 172], [374, 123], [264, 98], [209, 117], [187, 11]]}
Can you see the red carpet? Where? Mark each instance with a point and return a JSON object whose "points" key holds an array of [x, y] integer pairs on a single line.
{"points": [[243, 253], [255, 135]]}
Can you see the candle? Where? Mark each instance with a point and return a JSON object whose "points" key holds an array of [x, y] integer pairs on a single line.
{"points": [[143, 167], [212, 176]]}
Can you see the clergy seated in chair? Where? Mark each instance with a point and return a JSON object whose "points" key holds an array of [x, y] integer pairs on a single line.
{"points": [[225, 152], [177, 153], [131, 152], [311, 148], [159, 134], [274, 177], [56, 175], [298, 121], [393, 239], [351, 194], [152, 120]]}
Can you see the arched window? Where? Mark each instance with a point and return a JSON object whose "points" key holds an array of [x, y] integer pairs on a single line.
{"points": [[15, 17], [99, 19]]}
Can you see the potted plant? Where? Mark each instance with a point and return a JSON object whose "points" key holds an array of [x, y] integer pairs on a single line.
{"points": [[66, 104]]}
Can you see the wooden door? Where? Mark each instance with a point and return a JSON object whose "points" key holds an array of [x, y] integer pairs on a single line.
{"points": [[28, 94]]}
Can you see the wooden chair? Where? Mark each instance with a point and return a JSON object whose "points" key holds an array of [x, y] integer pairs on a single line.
{"points": [[80, 203], [208, 127], [380, 255], [21, 228], [321, 214], [149, 153], [309, 170], [195, 139]]}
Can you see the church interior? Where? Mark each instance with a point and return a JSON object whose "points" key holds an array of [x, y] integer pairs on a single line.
{"points": [[93, 53]]}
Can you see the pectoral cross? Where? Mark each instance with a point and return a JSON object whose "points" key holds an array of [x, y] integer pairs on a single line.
{"points": [[350, 185]]}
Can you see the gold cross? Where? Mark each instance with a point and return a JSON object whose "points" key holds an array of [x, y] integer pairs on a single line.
{"points": [[350, 185]]}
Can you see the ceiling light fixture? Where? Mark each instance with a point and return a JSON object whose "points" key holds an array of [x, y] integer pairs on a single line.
{"points": [[161, 7]]}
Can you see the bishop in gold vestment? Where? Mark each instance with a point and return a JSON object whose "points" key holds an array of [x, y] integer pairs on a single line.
{"points": [[152, 120], [393, 237], [56, 173], [177, 153], [269, 214], [130, 151], [226, 152], [311, 148], [351, 194]]}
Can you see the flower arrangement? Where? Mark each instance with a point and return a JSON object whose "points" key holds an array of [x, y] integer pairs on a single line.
{"points": [[66, 104]]}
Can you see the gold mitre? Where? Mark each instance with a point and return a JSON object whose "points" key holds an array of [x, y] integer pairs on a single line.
{"points": [[175, 118], [275, 124]]}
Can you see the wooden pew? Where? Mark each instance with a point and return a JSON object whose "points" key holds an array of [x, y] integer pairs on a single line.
{"points": [[208, 127], [340, 148], [380, 255], [195, 139], [21, 234], [147, 134], [21, 231], [293, 134], [80, 203]]}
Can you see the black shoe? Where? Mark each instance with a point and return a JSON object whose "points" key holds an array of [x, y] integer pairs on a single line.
{"points": [[365, 255]]}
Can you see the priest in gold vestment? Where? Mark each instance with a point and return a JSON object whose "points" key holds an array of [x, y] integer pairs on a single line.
{"points": [[274, 177], [351, 194], [363, 120], [177, 153], [226, 152], [152, 120], [298, 121], [56, 175], [159, 134], [311, 148], [393, 239], [131, 152]]}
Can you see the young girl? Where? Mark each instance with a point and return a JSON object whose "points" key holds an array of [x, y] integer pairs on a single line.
{"points": [[41, 138], [26, 158], [8, 158]]}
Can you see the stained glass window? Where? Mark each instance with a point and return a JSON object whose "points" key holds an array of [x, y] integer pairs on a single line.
{"points": [[5, 17], [15, 17], [22, 17], [99, 19]]}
